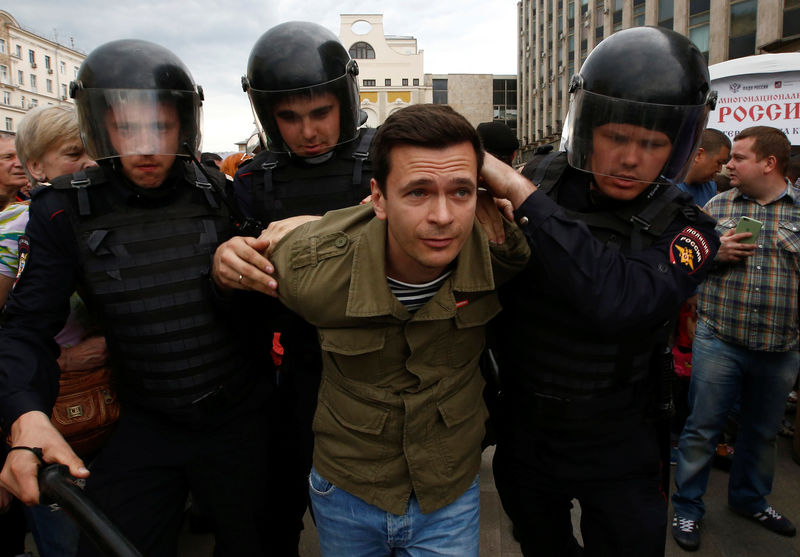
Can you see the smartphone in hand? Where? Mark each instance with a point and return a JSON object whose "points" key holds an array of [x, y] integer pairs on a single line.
{"points": [[753, 226]]}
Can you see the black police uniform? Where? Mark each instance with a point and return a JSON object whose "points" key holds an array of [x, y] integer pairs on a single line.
{"points": [[194, 404], [579, 344], [271, 187]]}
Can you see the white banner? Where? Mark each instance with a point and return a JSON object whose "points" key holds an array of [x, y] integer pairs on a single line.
{"points": [[758, 100]]}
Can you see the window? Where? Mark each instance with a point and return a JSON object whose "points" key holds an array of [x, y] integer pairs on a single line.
{"points": [[362, 51], [19, 52], [415, 82], [638, 13], [20, 78], [22, 101], [75, 72], [743, 29], [2, 46], [63, 90], [369, 83], [31, 56], [666, 13], [699, 29], [6, 97], [791, 17], [33, 81], [387, 82], [439, 91], [405, 82], [63, 67], [34, 103], [49, 85], [47, 62], [4, 74], [9, 125]]}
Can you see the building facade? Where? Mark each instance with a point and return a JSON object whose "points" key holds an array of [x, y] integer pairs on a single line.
{"points": [[556, 36], [34, 71], [478, 97], [390, 67]]}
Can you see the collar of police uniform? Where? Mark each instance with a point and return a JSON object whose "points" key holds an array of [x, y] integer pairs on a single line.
{"points": [[369, 293]]}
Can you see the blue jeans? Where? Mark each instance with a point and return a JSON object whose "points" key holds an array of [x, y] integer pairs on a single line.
{"points": [[347, 525], [721, 373]]}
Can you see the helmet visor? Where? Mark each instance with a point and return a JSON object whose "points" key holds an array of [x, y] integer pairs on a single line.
{"points": [[308, 121], [123, 122], [633, 140]]}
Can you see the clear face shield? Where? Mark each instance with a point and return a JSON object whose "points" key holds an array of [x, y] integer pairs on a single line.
{"points": [[309, 121], [630, 140], [125, 122]]}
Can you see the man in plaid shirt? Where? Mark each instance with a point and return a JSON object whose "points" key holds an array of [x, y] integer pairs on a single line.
{"points": [[746, 343]]}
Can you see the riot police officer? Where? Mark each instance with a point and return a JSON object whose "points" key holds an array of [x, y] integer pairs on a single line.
{"points": [[302, 86], [616, 248], [135, 236]]}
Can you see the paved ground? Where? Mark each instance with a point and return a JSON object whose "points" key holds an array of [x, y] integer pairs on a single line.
{"points": [[724, 533]]}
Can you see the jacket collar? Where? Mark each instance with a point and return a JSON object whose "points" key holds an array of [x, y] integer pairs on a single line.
{"points": [[369, 294]]}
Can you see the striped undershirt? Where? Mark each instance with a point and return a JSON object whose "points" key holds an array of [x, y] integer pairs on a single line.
{"points": [[414, 296]]}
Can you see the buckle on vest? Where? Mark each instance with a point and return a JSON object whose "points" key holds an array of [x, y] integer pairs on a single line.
{"points": [[269, 165], [643, 224], [80, 183], [361, 155]]}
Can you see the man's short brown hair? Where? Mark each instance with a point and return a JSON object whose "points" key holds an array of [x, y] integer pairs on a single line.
{"points": [[714, 140], [433, 126], [767, 142]]}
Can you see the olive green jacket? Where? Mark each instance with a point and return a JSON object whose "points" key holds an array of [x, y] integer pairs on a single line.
{"points": [[400, 404]]}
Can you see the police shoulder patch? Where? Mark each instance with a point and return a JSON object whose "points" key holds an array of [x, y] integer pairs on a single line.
{"points": [[24, 250], [689, 249]]}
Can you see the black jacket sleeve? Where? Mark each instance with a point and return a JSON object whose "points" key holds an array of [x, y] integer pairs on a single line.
{"points": [[36, 311], [605, 287]]}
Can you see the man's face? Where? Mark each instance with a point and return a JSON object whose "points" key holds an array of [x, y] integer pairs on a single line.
{"points": [[707, 165], [138, 131], [309, 127], [62, 158], [746, 172], [12, 176], [626, 159], [429, 207]]}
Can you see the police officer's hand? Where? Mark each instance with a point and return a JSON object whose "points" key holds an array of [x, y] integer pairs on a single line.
{"points": [[19, 475], [279, 228], [504, 182], [241, 263], [488, 216], [732, 250], [5, 499]]}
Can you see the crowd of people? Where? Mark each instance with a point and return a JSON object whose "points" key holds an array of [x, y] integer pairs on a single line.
{"points": [[330, 326]]}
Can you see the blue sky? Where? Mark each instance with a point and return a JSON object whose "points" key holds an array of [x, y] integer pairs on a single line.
{"points": [[214, 38]]}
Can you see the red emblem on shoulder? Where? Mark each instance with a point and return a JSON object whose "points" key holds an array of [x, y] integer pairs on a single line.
{"points": [[689, 249]]}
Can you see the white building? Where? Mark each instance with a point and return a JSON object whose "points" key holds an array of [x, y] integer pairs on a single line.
{"points": [[34, 71], [390, 67]]}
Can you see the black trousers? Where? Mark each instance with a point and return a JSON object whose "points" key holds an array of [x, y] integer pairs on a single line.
{"points": [[142, 477], [293, 440], [616, 478]]}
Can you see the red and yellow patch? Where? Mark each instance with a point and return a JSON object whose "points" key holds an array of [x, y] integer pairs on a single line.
{"points": [[689, 249]]}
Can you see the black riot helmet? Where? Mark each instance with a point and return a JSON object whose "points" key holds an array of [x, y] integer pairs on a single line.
{"points": [[136, 97], [648, 77], [299, 58]]}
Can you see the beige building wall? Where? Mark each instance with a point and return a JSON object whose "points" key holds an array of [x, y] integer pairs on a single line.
{"points": [[34, 71], [545, 64], [397, 59]]}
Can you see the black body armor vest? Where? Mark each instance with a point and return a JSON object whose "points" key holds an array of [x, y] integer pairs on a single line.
{"points": [[279, 187], [144, 270], [569, 374]]}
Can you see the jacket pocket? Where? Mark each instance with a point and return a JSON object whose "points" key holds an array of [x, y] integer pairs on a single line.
{"points": [[357, 354], [463, 415]]}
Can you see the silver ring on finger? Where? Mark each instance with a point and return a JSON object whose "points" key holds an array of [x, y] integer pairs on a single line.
{"points": [[240, 279]]}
